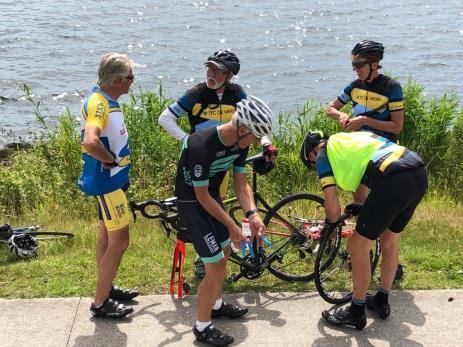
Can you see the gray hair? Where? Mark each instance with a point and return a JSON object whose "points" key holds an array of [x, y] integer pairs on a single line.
{"points": [[113, 66]]}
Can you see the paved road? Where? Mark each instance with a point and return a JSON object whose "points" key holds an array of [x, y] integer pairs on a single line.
{"points": [[419, 318]]}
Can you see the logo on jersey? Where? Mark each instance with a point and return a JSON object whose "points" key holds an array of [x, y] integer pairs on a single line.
{"points": [[220, 153], [211, 243], [99, 112], [198, 170]]}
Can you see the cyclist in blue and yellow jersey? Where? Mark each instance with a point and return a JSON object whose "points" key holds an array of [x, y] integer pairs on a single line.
{"points": [[105, 175], [397, 180], [209, 104], [377, 101], [206, 157]]}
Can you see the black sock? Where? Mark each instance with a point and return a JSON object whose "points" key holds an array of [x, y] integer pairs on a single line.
{"points": [[357, 309], [381, 298]]}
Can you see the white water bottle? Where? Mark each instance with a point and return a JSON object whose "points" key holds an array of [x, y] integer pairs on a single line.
{"points": [[245, 228]]}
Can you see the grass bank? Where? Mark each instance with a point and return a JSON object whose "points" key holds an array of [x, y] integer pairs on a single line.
{"points": [[38, 186]]}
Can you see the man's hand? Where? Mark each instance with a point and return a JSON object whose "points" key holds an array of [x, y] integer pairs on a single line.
{"points": [[354, 208], [356, 123], [235, 235], [328, 227], [110, 165], [256, 225], [270, 152], [343, 119]]}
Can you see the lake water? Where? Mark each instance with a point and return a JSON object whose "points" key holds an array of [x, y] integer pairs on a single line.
{"points": [[290, 51]]}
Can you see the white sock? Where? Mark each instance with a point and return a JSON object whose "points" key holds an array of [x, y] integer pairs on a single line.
{"points": [[202, 325], [218, 304]]}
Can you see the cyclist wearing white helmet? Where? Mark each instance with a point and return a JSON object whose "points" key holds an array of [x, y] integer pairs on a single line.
{"points": [[205, 158], [208, 104]]}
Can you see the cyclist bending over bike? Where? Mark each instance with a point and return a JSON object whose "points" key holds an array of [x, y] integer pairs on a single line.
{"points": [[397, 180], [205, 158]]}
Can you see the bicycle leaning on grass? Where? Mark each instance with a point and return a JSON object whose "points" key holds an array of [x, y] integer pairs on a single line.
{"points": [[23, 242]]}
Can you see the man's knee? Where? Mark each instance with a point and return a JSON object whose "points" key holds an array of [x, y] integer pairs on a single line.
{"points": [[216, 271]]}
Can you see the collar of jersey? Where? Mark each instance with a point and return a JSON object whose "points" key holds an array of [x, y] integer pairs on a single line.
{"points": [[218, 134], [98, 89]]}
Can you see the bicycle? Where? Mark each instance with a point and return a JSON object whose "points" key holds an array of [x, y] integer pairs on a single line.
{"points": [[333, 268], [283, 237], [22, 241]]}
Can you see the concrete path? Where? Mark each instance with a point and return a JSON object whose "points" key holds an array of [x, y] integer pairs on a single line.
{"points": [[419, 318]]}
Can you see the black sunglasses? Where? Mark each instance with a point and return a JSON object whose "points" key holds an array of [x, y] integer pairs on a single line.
{"points": [[130, 77], [360, 64]]}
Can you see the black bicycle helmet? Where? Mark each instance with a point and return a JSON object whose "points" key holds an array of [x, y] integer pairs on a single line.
{"points": [[227, 58], [311, 140], [23, 246], [369, 49]]}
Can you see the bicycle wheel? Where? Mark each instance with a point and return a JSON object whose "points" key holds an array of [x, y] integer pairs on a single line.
{"points": [[293, 218], [333, 267], [237, 214], [50, 235]]}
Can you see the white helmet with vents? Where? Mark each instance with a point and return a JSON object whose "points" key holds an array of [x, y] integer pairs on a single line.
{"points": [[255, 115]]}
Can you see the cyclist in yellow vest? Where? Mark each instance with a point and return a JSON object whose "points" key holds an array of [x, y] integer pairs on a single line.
{"points": [[397, 180]]}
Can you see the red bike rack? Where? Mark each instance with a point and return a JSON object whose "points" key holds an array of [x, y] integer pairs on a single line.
{"points": [[177, 268]]}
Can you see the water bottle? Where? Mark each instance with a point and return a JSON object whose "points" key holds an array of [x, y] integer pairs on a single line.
{"points": [[245, 228], [246, 244]]}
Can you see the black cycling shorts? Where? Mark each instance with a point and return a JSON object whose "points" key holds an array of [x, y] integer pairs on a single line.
{"points": [[208, 235], [391, 202]]}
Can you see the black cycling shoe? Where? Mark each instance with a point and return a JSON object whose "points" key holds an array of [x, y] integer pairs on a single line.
{"points": [[111, 309], [121, 294], [229, 310], [382, 310], [344, 317], [200, 269], [212, 336]]}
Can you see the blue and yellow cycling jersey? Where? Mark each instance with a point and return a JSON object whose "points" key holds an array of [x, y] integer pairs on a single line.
{"points": [[376, 100], [204, 108], [387, 157], [101, 111]]}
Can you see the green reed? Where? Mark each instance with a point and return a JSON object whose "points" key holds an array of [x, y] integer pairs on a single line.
{"points": [[47, 174]]}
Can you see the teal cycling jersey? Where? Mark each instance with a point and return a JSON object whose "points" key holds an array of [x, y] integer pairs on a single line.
{"points": [[101, 111], [204, 161]]}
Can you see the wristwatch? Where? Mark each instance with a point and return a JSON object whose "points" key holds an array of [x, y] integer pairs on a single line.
{"points": [[250, 213]]}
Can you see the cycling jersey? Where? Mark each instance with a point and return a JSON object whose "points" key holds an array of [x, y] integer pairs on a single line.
{"points": [[377, 99], [204, 108], [102, 111], [204, 161], [385, 158]]}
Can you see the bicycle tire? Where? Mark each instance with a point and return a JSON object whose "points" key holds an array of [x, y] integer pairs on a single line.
{"points": [[237, 214], [333, 269], [50, 235], [295, 262]]}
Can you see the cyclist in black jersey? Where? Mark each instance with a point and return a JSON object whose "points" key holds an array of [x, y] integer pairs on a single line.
{"points": [[398, 181], [205, 158], [207, 105]]}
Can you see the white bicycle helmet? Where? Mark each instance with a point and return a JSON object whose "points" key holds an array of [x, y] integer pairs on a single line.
{"points": [[255, 115], [23, 246]]}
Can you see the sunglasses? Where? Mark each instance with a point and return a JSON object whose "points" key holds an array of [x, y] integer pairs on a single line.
{"points": [[360, 64], [130, 77]]}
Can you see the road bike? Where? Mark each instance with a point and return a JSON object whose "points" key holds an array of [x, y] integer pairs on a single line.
{"points": [[23, 242]]}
